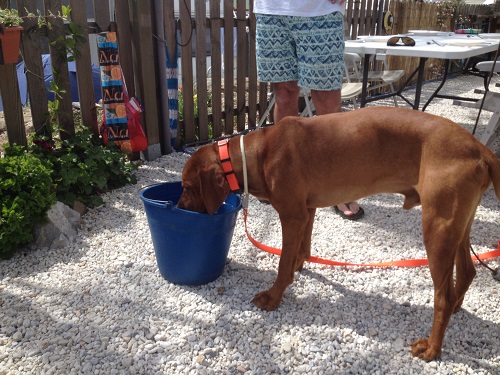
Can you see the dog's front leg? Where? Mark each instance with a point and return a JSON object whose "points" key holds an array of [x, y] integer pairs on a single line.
{"points": [[292, 231]]}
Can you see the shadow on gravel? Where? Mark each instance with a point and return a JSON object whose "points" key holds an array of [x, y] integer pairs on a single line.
{"points": [[343, 310]]}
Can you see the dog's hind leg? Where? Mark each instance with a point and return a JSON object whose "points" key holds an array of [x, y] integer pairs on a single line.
{"points": [[305, 245], [444, 223], [465, 270]]}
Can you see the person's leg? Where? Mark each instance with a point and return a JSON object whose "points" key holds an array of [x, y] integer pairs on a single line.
{"points": [[286, 96], [330, 102], [320, 50], [326, 101], [277, 62]]}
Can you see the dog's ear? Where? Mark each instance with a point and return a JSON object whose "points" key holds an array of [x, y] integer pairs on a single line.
{"points": [[214, 188]]}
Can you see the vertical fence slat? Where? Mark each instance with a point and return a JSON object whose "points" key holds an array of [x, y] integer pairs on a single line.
{"points": [[60, 68], [252, 73], [32, 55], [216, 67], [101, 13], [201, 69], [369, 17], [146, 73], [124, 31], [84, 70], [11, 100], [355, 22], [228, 67], [163, 112], [348, 18], [241, 64], [362, 18], [186, 33], [170, 35]]}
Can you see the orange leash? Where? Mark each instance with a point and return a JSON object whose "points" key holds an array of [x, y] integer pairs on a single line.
{"points": [[394, 263]]}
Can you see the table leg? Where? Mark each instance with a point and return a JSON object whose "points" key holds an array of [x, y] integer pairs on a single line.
{"points": [[364, 88], [420, 81], [435, 93]]}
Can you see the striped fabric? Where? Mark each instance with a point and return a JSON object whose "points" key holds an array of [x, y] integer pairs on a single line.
{"points": [[307, 49]]}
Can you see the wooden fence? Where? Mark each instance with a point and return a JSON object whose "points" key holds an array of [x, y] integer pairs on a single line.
{"points": [[137, 59], [219, 101]]}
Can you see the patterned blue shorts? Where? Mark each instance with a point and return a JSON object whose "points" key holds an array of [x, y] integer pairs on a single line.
{"points": [[309, 50]]}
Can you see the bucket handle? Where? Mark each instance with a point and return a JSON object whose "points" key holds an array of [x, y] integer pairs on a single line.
{"points": [[168, 204]]}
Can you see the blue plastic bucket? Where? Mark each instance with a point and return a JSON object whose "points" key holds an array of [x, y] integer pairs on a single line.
{"points": [[191, 248]]}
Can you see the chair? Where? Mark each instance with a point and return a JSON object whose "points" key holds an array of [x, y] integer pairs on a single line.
{"points": [[349, 92], [376, 78], [491, 104]]}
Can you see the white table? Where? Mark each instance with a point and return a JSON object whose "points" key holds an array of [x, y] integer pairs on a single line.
{"points": [[426, 47]]}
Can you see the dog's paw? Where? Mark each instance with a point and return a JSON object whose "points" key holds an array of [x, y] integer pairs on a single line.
{"points": [[422, 349], [266, 301]]}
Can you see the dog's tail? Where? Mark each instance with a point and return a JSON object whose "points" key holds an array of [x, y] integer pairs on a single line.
{"points": [[494, 166]]}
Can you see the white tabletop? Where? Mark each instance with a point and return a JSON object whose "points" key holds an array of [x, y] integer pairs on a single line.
{"points": [[439, 46]]}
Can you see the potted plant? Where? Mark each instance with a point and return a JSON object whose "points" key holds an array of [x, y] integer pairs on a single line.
{"points": [[10, 35]]}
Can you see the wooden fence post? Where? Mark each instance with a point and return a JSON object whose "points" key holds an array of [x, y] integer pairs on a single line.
{"points": [[146, 87], [216, 66], [171, 37], [11, 99], [228, 67], [201, 69], [124, 30], [32, 56], [101, 14], [241, 64], [186, 33], [84, 70], [163, 120], [60, 68]]}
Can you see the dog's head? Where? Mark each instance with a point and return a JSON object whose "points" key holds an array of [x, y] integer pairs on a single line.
{"points": [[204, 183]]}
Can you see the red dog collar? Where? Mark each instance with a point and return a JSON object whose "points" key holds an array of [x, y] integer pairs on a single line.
{"points": [[227, 166]]}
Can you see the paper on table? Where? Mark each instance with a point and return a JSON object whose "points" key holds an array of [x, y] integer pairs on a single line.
{"points": [[464, 43], [425, 32]]}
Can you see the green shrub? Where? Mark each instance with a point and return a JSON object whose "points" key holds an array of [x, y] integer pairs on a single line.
{"points": [[83, 168], [26, 194], [31, 181]]}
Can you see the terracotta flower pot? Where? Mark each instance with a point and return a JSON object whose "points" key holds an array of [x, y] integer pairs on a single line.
{"points": [[10, 40]]}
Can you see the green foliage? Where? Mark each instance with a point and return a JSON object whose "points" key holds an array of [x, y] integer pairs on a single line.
{"points": [[74, 35], [180, 99], [83, 168], [76, 169], [26, 194], [10, 18], [79, 168]]}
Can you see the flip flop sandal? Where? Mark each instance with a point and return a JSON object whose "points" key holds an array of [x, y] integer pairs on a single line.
{"points": [[356, 216]]}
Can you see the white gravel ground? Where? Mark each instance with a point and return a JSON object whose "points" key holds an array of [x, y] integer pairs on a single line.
{"points": [[100, 306]]}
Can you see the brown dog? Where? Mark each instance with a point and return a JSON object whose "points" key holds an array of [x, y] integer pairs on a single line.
{"points": [[304, 163]]}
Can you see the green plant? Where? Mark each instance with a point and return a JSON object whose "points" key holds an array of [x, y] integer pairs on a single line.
{"points": [[74, 35], [82, 168], [26, 194], [10, 18], [180, 99]]}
